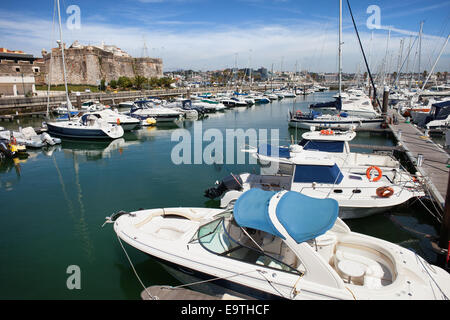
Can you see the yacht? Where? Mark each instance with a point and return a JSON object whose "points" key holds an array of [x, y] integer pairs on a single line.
{"points": [[114, 117], [340, 121], [280, 245], [89, 126], [143, 110], [361, 191]]}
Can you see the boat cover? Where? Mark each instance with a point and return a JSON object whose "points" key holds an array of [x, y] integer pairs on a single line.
{"points": [[325, 146], [303, 217], [270, 151]]}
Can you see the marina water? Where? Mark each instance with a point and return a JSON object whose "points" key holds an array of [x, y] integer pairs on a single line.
{"points": [[53, 205]]}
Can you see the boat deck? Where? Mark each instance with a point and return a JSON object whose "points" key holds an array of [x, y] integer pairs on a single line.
{"points": [[435, 158]]}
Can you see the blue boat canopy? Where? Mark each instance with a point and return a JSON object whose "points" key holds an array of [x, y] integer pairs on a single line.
{"points": [[326, 146], [268, 150], [303, 217], [251, 210]]}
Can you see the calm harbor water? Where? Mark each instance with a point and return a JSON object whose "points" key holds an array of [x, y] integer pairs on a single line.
{"points": [[53, 204]]}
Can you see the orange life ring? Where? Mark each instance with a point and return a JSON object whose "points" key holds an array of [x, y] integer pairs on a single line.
{"points": [[385, 192], [327, 132], [369, 176]]}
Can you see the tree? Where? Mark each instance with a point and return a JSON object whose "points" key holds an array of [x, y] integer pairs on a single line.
{"points": [[124, 82], [139, 81], [102, 85], [113, 84]]}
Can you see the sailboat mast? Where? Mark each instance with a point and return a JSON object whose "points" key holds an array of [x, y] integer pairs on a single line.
{"points": [[435, 63], [340, 47], [63, 61]]}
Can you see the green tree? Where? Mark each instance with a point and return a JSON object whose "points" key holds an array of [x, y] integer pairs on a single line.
{"points": [[139, 81], [124, 82], [113, 84]]}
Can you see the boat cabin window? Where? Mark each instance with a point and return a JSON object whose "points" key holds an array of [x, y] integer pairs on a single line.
{"points": [[225, 238], [325, 146], [318, 174]]}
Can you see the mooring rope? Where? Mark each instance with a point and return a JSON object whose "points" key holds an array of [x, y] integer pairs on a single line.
{"points": [[135, 272]]}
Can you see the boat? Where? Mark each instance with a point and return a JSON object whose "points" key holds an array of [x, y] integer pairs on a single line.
{"points": [[361, 190], [143, 110], [65, 108], [29, 138], [92, 105], [185, 107], [340, 121], [114, 117], [438, 110], [89, 126], [280, 245], [336, 145]]}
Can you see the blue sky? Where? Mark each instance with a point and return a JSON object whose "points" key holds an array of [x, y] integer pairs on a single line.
{"points": [[207, 34]]}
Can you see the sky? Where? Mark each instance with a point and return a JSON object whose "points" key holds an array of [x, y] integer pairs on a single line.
{"points": [[285, 35]]}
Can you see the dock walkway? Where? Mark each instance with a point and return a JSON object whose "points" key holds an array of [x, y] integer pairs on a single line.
{"points": [[435, 158]]}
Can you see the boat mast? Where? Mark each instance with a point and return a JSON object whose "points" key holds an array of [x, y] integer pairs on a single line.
{"points": [[420, 49], [63, 62], [435, 63], [340, 48]]}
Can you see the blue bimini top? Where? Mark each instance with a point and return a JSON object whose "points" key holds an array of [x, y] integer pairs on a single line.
{"points": [[303, 217], [268, 150]]}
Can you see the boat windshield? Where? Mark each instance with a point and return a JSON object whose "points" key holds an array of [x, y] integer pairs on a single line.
{"points": [[225, 238]]}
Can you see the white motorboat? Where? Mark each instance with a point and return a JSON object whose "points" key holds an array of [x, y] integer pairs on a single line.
{"points": [[113, 117], [29, 138], [89, 126], [142, 110], [340, 121], [336, 145], [360, 191], [65, 108], [185, 107], [92, 105], [280, 245]]}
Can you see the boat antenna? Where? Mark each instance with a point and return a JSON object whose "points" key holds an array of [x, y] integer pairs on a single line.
{"points": [[340, 48], [365, 59], [63, 62]]}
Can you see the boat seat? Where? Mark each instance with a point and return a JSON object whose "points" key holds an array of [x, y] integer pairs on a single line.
{"points": [[373, 272], [271, 246]]}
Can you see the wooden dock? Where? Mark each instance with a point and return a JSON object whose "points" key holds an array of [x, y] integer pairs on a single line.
{"points": [[434, 158]]}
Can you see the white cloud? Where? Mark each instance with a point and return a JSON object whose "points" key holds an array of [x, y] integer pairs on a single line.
{"points": [[312, 45]]}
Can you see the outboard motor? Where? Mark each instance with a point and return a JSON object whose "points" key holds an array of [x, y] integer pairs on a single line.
{"points": [[231, 182], [5, 150]]}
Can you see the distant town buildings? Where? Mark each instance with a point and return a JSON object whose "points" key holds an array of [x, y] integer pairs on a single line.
{"points": [[18, 72]]}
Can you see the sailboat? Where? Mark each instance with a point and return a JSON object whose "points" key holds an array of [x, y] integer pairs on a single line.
{"points": [[356, 116], [86, 127]]}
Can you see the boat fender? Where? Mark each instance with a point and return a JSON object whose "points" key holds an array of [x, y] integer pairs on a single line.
{"points": [[118, 121], [369, 174], [385, 192]]}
